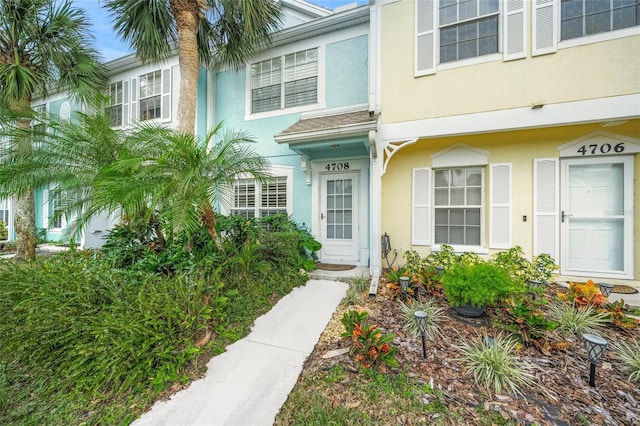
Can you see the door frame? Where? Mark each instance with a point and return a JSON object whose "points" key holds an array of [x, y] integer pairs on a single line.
{"points": [[628, 191], [361, 222]]}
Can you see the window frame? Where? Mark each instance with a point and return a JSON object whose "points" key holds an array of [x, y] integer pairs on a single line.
{"points": [[464, 207], [113, 103], [459, 22], [284, 173], [584, 15], [281, 52], [157, 83]]}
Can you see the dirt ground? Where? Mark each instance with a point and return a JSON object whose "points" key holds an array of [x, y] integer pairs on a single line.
{"points": [[561, 396]]}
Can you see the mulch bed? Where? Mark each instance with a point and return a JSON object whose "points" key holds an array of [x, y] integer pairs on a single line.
{"points": [[562, 395]]}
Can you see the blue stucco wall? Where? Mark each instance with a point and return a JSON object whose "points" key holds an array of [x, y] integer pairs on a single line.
{"points": [[347, 72], [345, 84]]}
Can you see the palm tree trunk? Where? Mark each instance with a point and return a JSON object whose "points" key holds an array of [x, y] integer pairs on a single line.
{"points": [[187, 14], [208, 218], [24, 206]]}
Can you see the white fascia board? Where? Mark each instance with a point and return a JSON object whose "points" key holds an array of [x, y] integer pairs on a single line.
{"points": [[624, 107], [306, 7], [320, 26], [361, 129]]}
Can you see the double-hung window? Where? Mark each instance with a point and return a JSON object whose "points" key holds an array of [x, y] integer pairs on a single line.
{"points": [[468, 28], [115, 104], [255, 199], [585, 17], [458, 206], [150, 95], [285, 81]]}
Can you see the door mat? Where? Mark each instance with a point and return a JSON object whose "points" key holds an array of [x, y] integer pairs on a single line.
{"points": [[624, 289], [334, 267]]}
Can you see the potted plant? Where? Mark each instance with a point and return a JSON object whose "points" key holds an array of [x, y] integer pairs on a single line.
{"points": [[470, 288]]}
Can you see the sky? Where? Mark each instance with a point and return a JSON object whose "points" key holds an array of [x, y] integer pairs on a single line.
{"points": [[111, 47]]}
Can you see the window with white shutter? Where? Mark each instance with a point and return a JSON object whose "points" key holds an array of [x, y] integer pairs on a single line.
{"points": [[544, 27], [116, 101], [515, 35], [425, 45], [420, 207], [545, 206], [500, 211], [261, 199]]}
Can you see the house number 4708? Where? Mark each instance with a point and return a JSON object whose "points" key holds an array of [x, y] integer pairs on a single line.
{"points": [[332, 167], [601, 148]]}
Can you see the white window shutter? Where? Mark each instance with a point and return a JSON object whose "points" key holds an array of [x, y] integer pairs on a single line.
{"points": [[420, 207], [425, 44], [515, 30], [545, 27], [133, 111], [500, 206], [125, 104], [45, 208], [166, 94], [545, 206]]}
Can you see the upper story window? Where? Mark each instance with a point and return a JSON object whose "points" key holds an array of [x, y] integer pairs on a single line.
{"points": [[581, 18], [150, 95], [285, 81], [468, 28], [115, 103]]}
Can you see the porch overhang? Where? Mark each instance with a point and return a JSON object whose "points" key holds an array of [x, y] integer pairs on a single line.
{"points": [[330, 136]]}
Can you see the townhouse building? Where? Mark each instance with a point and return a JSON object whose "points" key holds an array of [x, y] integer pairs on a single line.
{"points": [[510, 123]]}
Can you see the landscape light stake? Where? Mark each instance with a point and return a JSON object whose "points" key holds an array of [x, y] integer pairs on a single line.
{"points": [[606, 289], [535, 284], [596, 346], [421, 319], [404, 284]]}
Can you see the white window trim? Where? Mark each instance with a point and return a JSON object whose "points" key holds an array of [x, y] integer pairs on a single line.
{"points": [[46, 214], [276, 172], [432, 226], [122, 104], [596, 38], [166, 96], [9, 225], [320, 103]]}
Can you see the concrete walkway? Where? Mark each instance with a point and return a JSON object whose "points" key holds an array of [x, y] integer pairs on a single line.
{"points": [[247, 384]]}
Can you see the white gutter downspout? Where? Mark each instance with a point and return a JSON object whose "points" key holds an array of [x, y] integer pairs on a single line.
{"points": [[375, 179]]}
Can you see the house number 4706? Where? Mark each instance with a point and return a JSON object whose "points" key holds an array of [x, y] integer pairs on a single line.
{"points": [[601, 148]]}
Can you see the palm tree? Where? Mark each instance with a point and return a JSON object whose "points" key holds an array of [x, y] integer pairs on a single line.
{"points": [[45, 46], [178, 177], [204, 31]]}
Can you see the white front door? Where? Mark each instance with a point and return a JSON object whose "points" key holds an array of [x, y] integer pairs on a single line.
{"points": [[339, 214], [597, 217]]}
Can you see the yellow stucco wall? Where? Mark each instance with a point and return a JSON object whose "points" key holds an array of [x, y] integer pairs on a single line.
{"points": [[603, 69], [518, 148]]}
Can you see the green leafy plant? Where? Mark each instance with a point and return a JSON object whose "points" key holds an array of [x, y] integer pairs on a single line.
{"points": [[445, 257], [435, 315], [520, 268], [525, 318], [492, 364], [372, 348], [4, 233], [629, 355], [572, 319], [617, 314], [543, 268], [478, 284]]}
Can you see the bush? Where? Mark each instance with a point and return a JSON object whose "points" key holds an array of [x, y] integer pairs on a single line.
{"points": [[478, 284], [629, 355], [492, 364], [576, 320], [372, 347]]}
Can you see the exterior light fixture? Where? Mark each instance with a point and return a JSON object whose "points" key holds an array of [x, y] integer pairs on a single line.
{"points": [[421, 319], [596, 346], [606, 288], [404, 284]]}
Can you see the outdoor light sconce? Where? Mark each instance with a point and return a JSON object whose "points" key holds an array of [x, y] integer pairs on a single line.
{"points": [[404, 285], [596, 346], [606, 288], [421, 319]]}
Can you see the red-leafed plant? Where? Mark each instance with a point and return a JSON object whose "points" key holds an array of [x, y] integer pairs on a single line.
{"points": [[372, 348]]}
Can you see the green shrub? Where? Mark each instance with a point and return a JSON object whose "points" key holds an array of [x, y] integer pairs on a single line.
{"points": [[492, 364], [577, 320], [435, 315], [478, 284], [97, 331], [4, 232], [629, 355]]}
